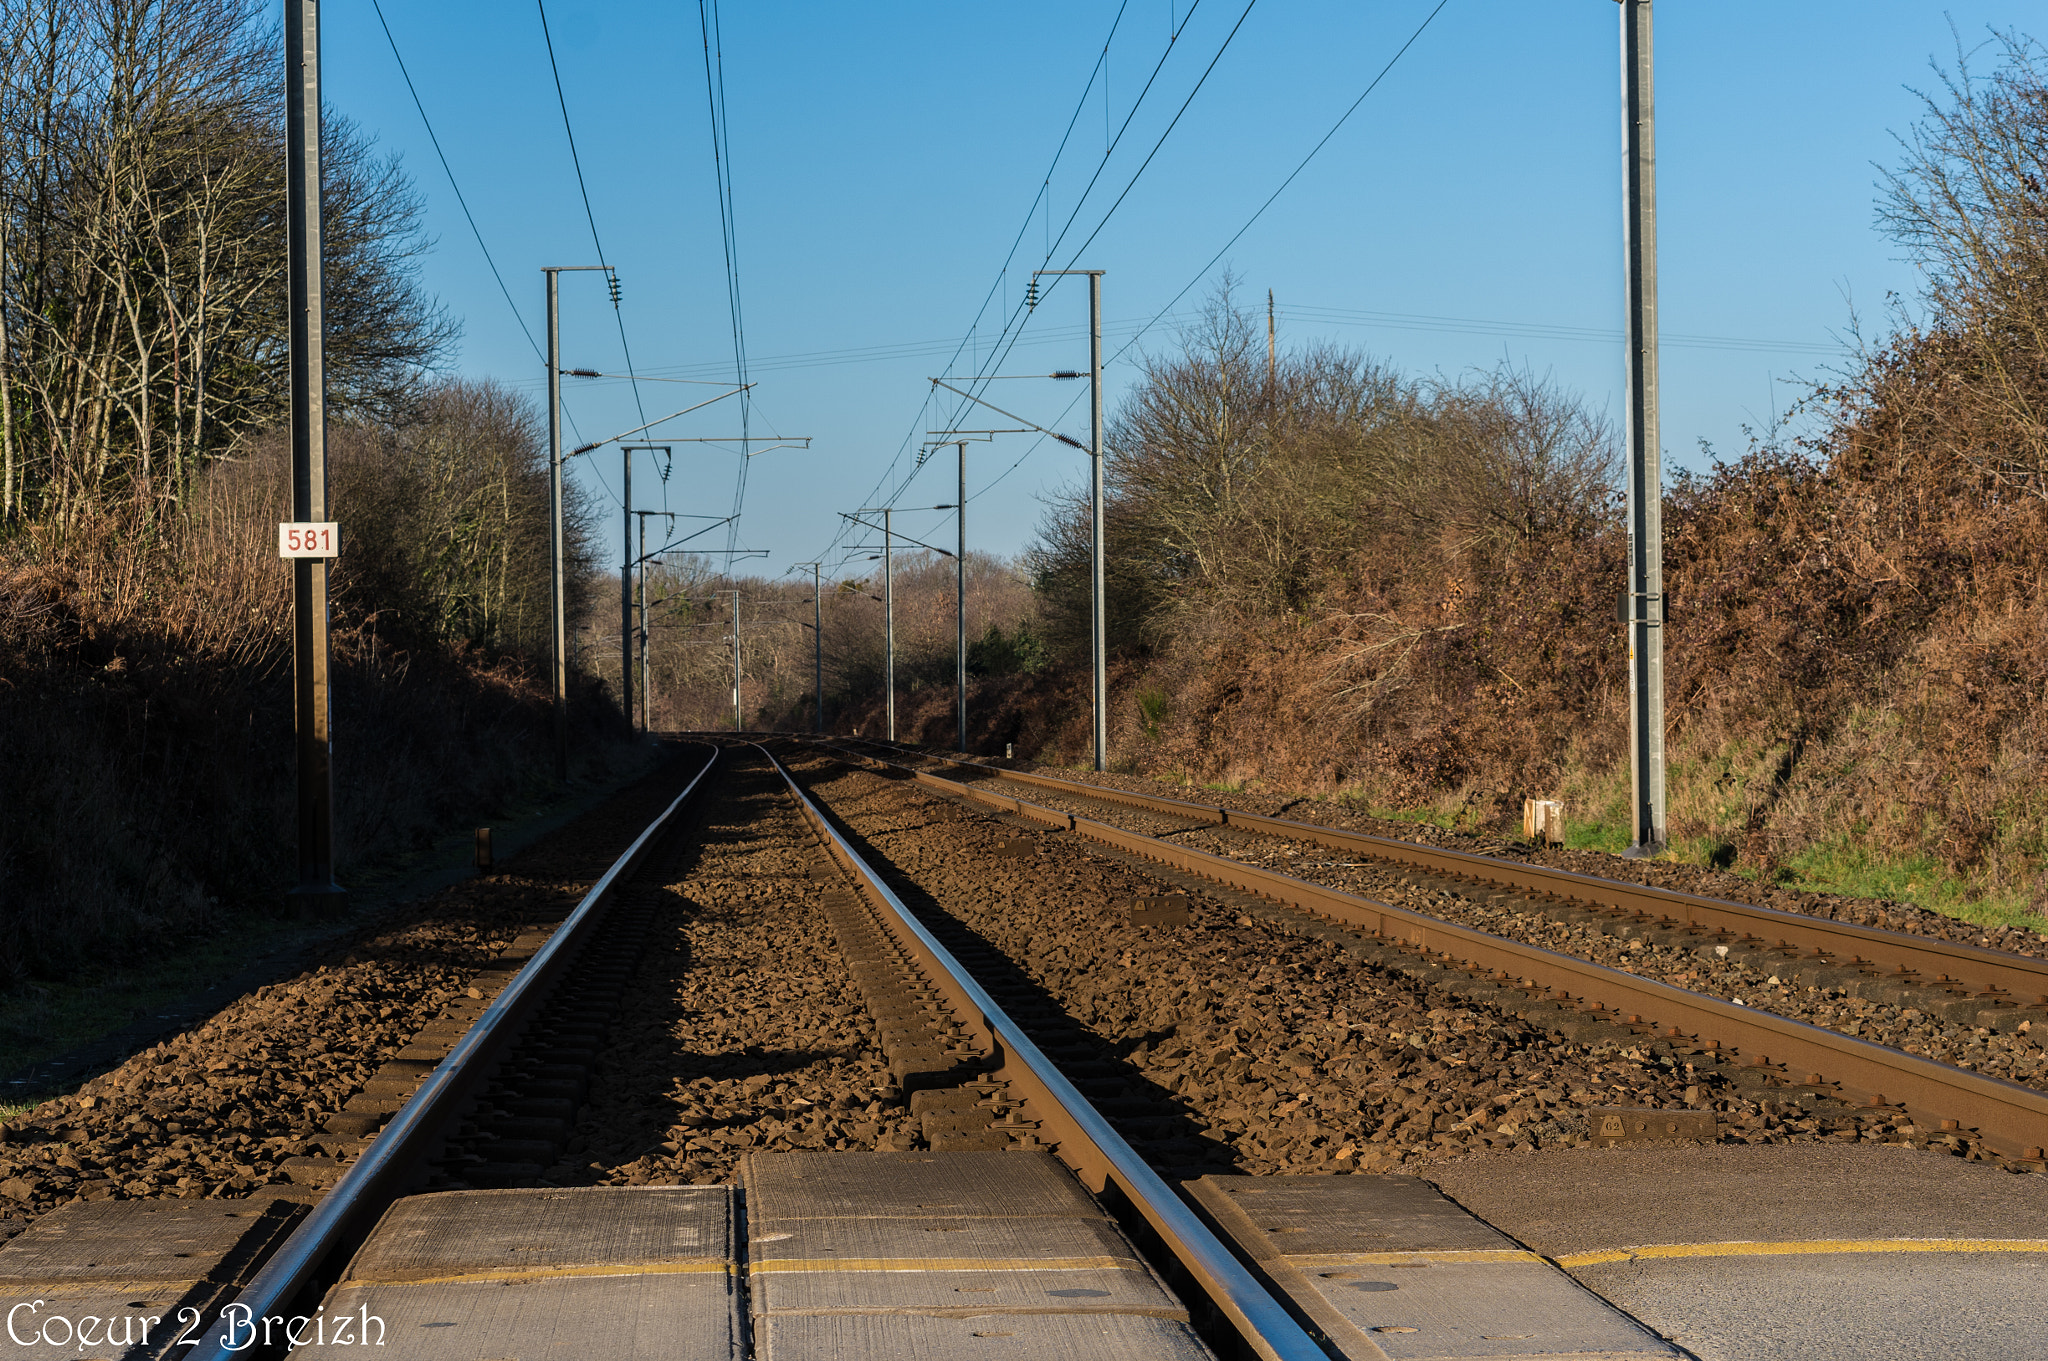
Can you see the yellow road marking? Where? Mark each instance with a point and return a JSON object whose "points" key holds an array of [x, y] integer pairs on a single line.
{"points": [[1801, 1248], [942, 1264], [538, 1273]]}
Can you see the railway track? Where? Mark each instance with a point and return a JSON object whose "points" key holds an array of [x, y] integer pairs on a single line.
{"points": [[498, 1108], [808, 952], [1995, 990]]}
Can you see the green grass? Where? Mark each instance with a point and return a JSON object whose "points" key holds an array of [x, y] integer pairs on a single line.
{"points": [[1839, 867]]}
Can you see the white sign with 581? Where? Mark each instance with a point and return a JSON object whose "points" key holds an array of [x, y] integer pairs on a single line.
{"points": [[309, 539]]}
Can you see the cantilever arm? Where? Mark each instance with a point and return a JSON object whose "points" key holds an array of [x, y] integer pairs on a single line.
{"points": [[938, 382]]}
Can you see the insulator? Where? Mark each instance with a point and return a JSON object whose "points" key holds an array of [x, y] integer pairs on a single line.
{"points": [[1031, 296]]}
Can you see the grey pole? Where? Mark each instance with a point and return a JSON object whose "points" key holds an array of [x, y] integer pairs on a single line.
{"points": [[559, 637], [626, 593], [960, 602], [817, 651], [1101, 630], [889, 624], [312, 699], [736, 725], [646, 633], [1645, 603]]}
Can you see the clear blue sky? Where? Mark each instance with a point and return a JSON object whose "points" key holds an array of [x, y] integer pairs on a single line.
{"points": [[884, 157]]}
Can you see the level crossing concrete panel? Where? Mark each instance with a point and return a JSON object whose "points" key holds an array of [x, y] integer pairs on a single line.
{"points": [[858, 1255], [620, 1272], [913, 1185], [131, 1278], [1384, 1266], [645, 1316], [599, 1228], [1005, 1337], [1776, 1253]]}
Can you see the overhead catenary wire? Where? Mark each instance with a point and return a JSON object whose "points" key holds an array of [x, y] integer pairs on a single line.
{"points": [[712, 34], [1013, 325], [1042, 197], [446, 169], [1260, 211], [1239, 233], [590, 215]]}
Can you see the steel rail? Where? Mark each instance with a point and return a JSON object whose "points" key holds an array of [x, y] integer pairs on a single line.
{"points": [[1082, 1138], [380, 1173], [2011, 1119], [1998, 974]]}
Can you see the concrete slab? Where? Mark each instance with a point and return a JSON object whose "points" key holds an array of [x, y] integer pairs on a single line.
{"points": [[1386, 1267], [626, 1273], [1749, 1253], [779, 1245], [643, 1317], [144, 1240], [861, 1255], [887, 1185], [1330, 1217], [1005, 1337], [132, 1320], [456, 1233]]}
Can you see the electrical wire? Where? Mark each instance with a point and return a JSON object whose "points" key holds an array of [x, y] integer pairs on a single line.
{"points": [[590, 216], [1261, 210], [712, 32], [450, 173], [1042, 197], [997, 360]]}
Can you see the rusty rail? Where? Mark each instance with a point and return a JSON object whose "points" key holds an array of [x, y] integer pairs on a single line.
{"points": [[1997, 975], [2011, 1119]]}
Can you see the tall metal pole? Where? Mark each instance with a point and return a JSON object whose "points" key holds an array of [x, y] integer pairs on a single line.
{"points": [[559, 638], [1645, 485], [626, 594], [889, 623], [817, 650], [313, 707], [960, 603], [646, 633], [1101, 630], [736, 725]]}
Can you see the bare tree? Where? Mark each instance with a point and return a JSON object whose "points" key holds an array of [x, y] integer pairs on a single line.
{"points": [[1969, 201]]}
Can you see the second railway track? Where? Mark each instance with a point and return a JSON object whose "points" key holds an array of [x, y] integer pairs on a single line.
{"points": [[1810, 960]]}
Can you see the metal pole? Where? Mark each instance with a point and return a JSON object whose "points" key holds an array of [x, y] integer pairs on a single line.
{"points": [[889, 625], [736, 725], [817, 651], [960, 603], [313, 706], [1645, 475], [646, 634], [560, 634], [1101, 631], [626, 593]]}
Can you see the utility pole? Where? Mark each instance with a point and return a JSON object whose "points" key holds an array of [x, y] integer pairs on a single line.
{"points": [[889, 619], [312, 699], [557, 587], [1272, 354], [1095, 554], [1644, 604], [960, 605], [817, 650], [646, 634], [736, 725], [626, 591]]}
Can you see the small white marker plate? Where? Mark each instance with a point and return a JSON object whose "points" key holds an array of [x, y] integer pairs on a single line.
{"points": [[309, 539]]}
